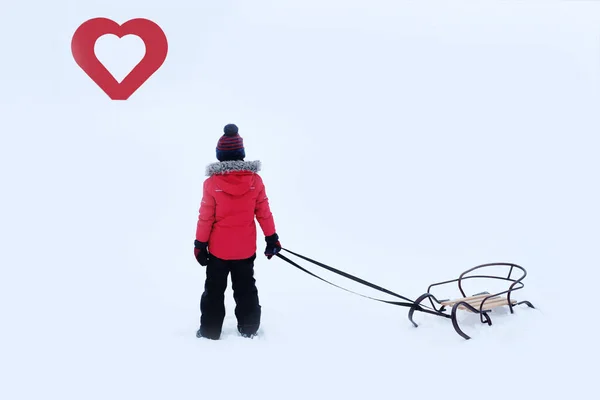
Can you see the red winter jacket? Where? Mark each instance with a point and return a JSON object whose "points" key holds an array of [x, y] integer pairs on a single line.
{"points": [[234, 194]]}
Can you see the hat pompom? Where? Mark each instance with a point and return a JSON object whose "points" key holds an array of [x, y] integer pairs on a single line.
{"points": [[230, 130]]}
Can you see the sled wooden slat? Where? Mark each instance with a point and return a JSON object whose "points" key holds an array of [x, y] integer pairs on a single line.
{"points": [[467, 299], [492, 303], [475, 302]]}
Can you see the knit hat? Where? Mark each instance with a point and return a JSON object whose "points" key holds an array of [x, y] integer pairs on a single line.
{"points": [[230, 146]]}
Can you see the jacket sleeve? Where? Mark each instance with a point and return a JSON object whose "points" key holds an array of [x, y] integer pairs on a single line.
{"points": [[263, 212], [207, 215]]}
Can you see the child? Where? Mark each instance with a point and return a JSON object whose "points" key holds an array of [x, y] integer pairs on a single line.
{"points": [[233, 195]]}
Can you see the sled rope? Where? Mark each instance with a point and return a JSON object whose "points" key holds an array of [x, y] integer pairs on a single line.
{"points": [[407, 303]]}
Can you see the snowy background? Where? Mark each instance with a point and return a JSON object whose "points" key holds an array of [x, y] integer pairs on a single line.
{"points": [[401, 141]]}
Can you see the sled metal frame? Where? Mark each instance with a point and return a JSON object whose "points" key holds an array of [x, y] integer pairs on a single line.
{"points": [[480, 303]]}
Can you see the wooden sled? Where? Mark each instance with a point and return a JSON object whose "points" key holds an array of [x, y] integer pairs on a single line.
{"points": [[481, 303]]}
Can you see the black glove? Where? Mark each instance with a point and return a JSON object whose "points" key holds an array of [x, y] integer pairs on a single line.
{"points": [[201, 252], [273, 245]]}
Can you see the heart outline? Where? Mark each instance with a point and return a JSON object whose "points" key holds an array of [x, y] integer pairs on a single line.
{"points": [[83, 50]]}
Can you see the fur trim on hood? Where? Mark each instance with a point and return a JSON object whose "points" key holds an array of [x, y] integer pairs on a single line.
{"points": [[224, 167]]}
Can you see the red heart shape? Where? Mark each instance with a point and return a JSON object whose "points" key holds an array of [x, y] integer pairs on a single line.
{"points": [[84, 40]]}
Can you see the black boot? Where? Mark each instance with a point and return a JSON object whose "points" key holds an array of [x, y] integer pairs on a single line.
{"points": [[202, 333], [248, 331], [246, 335]]}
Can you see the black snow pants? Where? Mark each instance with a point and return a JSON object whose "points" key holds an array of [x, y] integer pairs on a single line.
{"points": [[245, 294]]}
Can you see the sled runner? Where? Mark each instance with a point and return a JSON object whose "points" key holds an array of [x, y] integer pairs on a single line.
{"points": [[480, 303]]}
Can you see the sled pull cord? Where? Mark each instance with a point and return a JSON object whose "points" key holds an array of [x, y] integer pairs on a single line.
{"points": [[407, 303]]}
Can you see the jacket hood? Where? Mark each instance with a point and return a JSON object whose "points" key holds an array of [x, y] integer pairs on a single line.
{"points": [[234, 177]]}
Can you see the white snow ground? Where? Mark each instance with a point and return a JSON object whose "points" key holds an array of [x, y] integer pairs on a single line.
{"points": [[403, 142]]}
